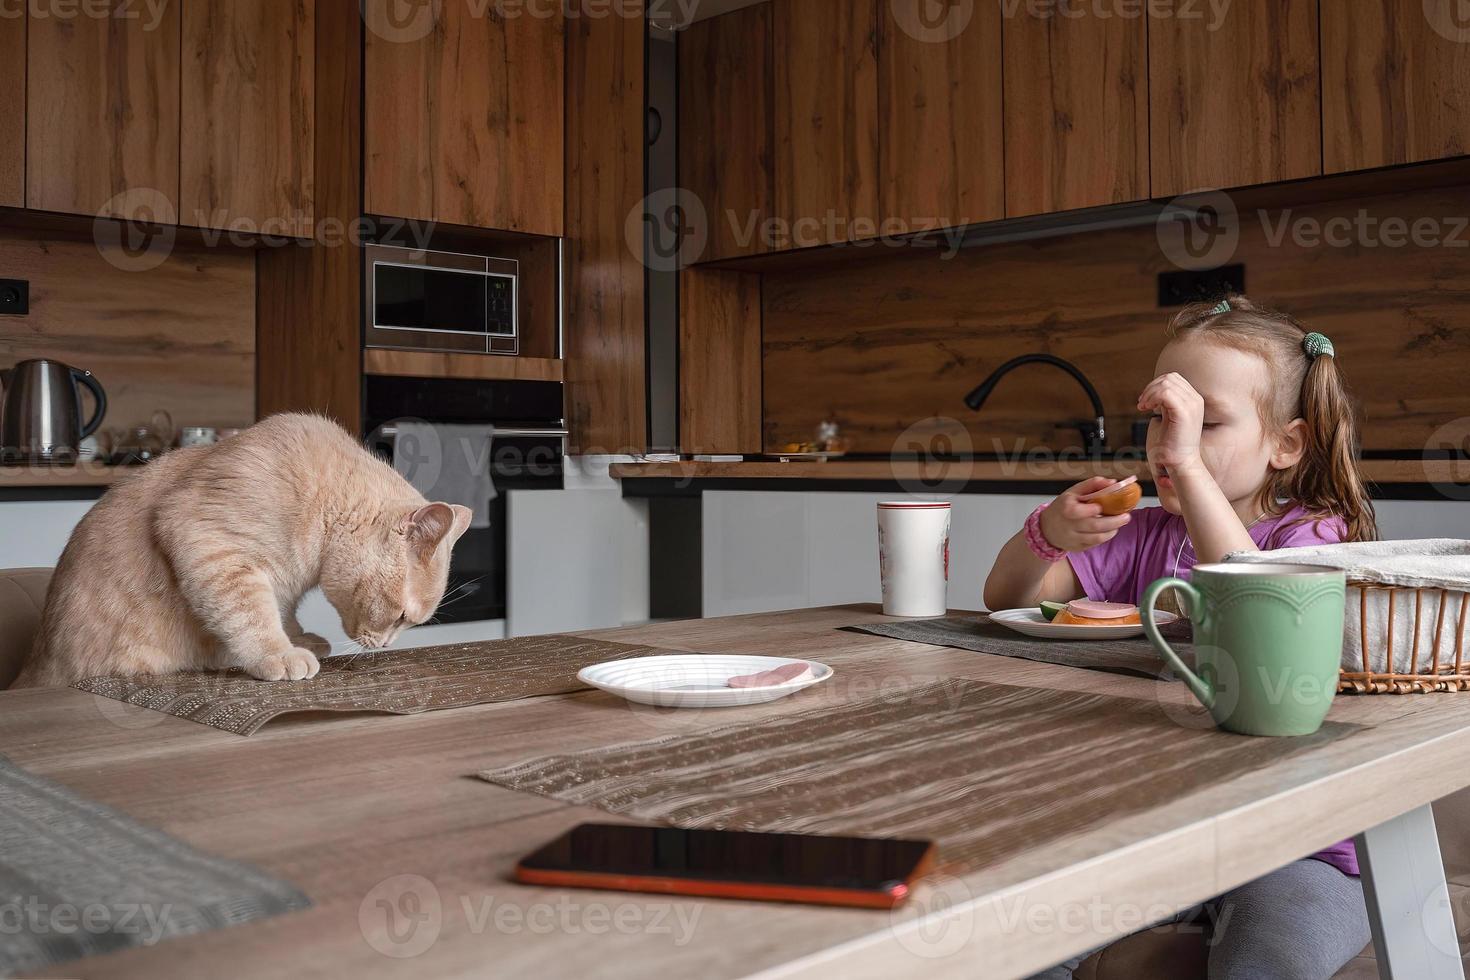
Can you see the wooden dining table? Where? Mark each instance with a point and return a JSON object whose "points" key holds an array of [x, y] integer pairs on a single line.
{"points": [[407, 857]]}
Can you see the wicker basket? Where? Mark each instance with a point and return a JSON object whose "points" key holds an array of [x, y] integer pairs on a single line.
{"points": [[1409, 640]]}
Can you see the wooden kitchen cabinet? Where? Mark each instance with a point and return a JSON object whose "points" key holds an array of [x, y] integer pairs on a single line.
{"points": [[1395, 82], [941, 158], [248, 115], [465, 124], [726, 127], [13, 111], [1235, 94], [102, 112], [1076, 111], [827, 119]]}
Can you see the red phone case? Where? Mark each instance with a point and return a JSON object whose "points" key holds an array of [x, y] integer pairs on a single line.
{"points": [[752, 891]]}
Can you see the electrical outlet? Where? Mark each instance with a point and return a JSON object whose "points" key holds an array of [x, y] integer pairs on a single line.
{"points": [[15, 297], [1200, 286]]}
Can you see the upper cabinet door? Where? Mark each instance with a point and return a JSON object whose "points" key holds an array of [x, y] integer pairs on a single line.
{"points": [[726, 127], [1076, 110], [464, 121], [13, 111], [248, 115], [1235, 94], [827, 119], [102, 112], [941, 163], [1395, 82]]}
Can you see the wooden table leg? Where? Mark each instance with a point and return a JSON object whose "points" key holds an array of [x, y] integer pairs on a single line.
{"points": [[1408, 901]]}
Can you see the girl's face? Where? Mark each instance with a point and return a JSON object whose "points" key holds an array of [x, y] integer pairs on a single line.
{"points": [[1234, 445]]}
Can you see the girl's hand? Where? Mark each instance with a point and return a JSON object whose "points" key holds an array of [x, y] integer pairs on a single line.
{"points": [[1072, 525], [1181, 416]]}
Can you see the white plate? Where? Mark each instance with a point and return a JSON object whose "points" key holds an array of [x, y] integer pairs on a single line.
{"points": [[695, 680], [1032, 623]]}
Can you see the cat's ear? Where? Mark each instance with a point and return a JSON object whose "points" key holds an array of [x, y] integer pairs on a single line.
{"points": [[462, 517], [428, 525]]}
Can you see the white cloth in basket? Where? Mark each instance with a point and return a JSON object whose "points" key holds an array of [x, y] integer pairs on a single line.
{"points": [[1432, 563]]}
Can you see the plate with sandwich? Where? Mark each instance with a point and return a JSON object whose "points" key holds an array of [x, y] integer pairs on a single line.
{"points": [[1080, 619]]}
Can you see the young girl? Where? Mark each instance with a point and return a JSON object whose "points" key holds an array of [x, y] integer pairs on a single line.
{"points": [[1252, 445]]}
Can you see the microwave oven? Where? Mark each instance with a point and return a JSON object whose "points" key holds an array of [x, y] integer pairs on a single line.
{"points": [[441, 301]]}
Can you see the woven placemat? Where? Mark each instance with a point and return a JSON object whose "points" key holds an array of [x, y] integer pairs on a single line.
{"points": [[1135, 657], [986, 770], [402, 682], [80, 879]]}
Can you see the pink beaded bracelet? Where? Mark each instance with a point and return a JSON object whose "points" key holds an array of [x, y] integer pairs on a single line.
{"points": [[1036, 541]]}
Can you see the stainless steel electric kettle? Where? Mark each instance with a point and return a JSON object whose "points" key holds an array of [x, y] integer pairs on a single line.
{"points": [[41, 415]]}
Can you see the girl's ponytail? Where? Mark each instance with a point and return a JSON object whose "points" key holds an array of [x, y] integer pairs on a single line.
{"points": [[1328, 480]]}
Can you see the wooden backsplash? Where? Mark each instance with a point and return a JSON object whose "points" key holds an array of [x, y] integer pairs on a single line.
{"points": [[885, 343], [179, 337]]}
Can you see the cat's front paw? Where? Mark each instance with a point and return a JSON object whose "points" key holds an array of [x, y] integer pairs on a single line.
{"points": [[294, 665]]}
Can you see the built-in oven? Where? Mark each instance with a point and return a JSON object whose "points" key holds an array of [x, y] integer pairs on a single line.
{"points": [[441, 301], [527, 452]]}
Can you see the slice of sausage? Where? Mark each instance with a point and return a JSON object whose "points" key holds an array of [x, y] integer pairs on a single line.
{"points": [[784, 674]]}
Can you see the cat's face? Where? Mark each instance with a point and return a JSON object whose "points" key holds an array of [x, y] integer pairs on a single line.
{"points": [[385, 577]]}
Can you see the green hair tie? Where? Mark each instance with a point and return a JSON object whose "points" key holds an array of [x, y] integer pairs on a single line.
{"points": [[1316, 345], [1222, 307]]}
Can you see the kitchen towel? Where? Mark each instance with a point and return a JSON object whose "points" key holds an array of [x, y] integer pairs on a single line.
{"points": [[401, 682], [986, 770], [81, 879], [448, 463], [1135, 657]]}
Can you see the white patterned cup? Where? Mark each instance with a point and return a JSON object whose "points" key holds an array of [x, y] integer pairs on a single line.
{"points": [[913, 558]]}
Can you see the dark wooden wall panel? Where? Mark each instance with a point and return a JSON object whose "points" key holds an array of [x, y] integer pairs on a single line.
{"points": [[883, 344], [1076, 111], [309, 334], [1394, 89], [102, 112], [1235, 98], [179, 336], [726, 127], [13, 111], [719, 361], [464, 125], [940, 119], [248, 115], [827, 117], [605, 338]]}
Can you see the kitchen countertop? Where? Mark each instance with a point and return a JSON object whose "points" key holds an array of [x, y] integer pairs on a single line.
{"points": [[342, 806], [982, 474]]}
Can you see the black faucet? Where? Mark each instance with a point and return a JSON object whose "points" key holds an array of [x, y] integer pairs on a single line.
{"points": [[1094, 433]]}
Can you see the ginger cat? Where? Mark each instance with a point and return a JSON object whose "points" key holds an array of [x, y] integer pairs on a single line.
{"points": [[201, 560]]}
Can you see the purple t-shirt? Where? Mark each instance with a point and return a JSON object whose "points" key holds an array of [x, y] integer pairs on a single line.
{"points": [[1155, 545]]}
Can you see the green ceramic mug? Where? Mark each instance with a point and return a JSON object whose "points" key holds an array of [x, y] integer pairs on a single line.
{"points": [[1268, 641]]}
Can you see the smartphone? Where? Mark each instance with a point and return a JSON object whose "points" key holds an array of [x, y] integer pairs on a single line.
{"points": [[867, 872]]}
